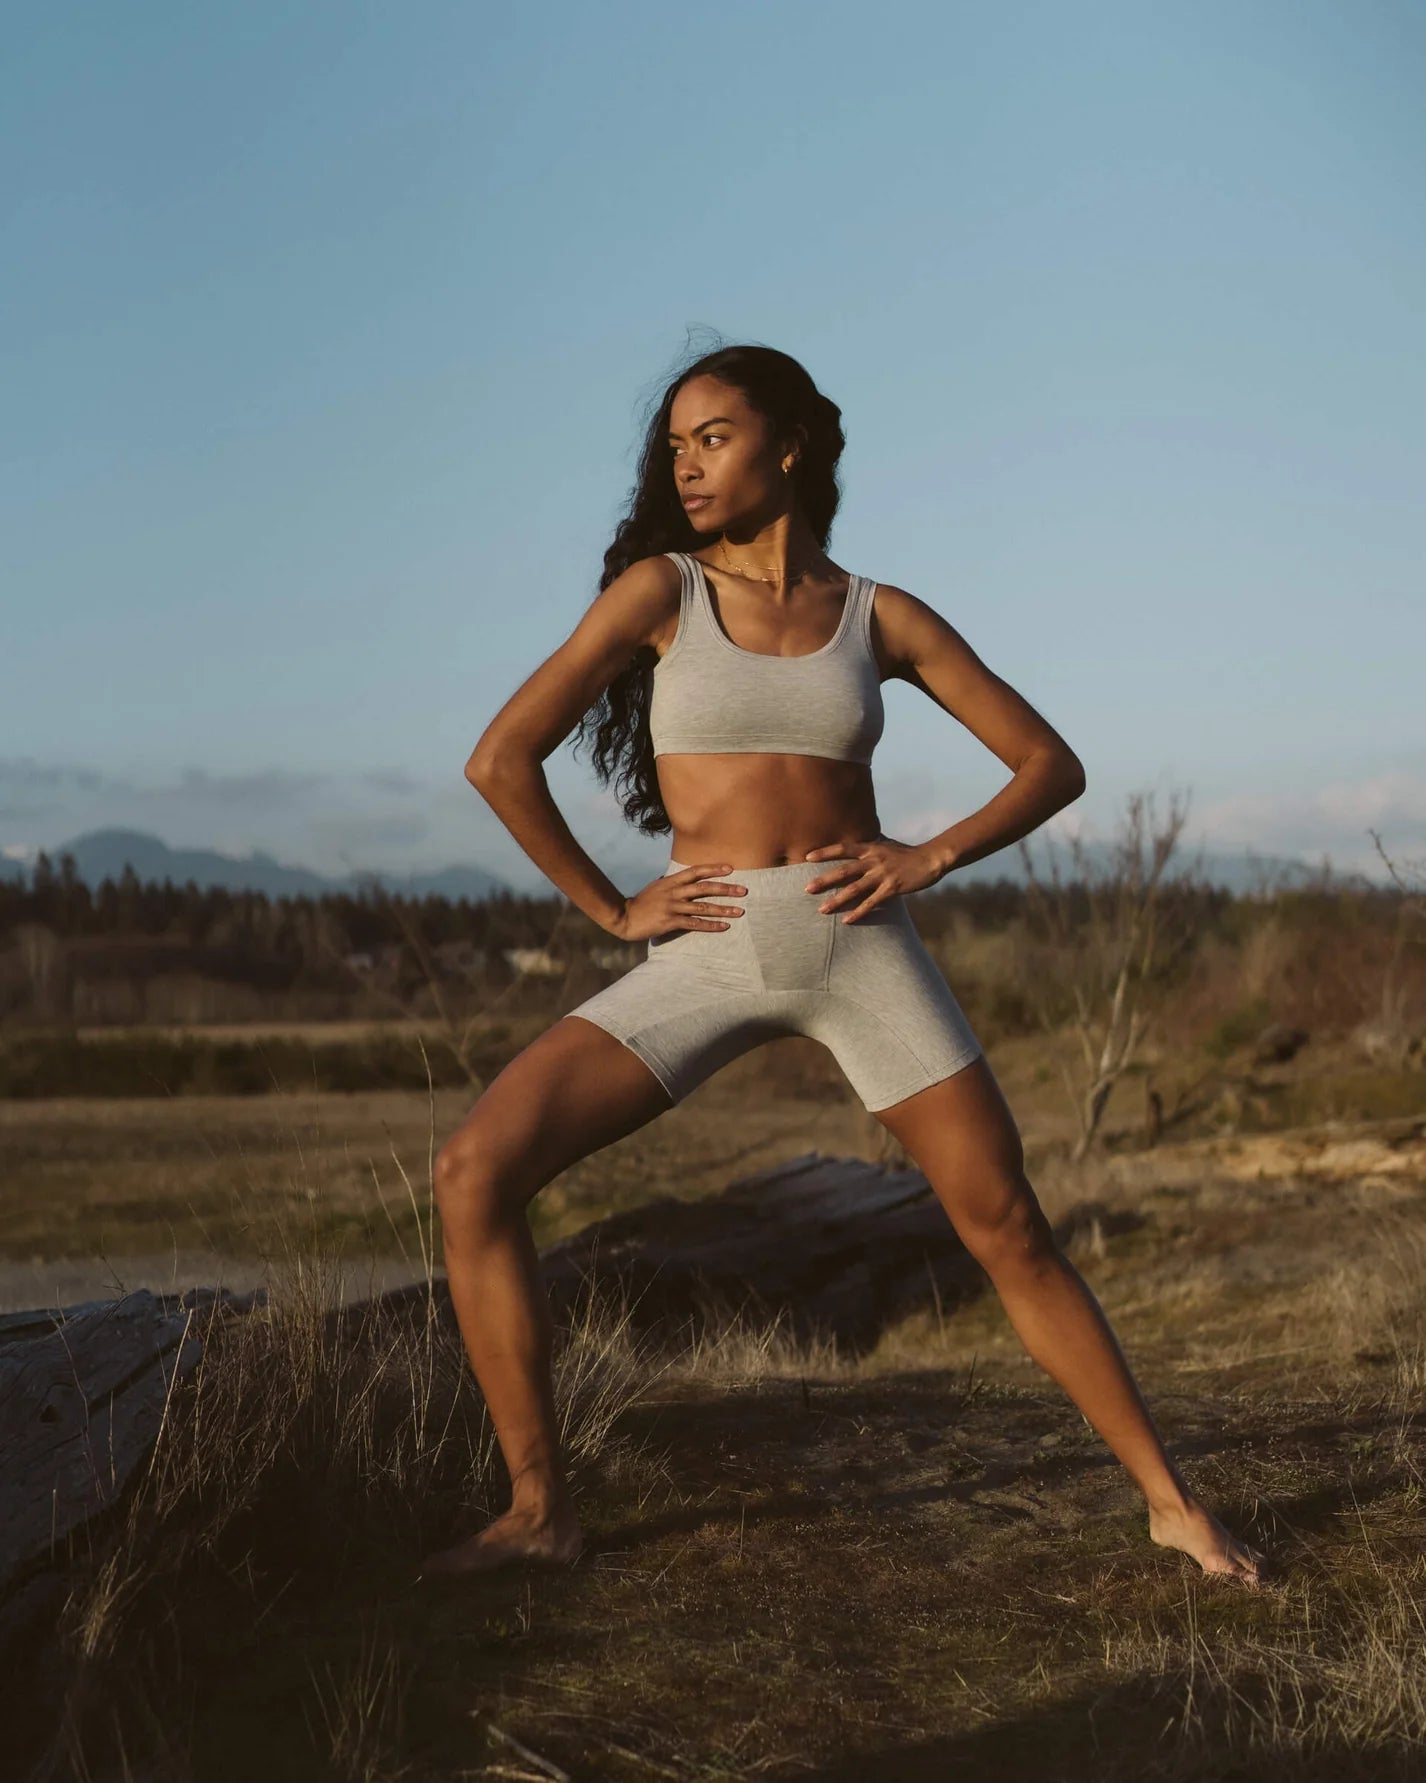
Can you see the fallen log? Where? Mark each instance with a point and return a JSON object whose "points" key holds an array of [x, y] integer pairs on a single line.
{"points": [[836, 1246], [82, 1397]]}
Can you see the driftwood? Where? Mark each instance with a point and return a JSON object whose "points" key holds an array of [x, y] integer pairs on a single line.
{"points": [[837, 1246], [82, 1397]]}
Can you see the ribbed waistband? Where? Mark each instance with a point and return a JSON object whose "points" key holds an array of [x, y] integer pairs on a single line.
{"points": [[787, 881]]}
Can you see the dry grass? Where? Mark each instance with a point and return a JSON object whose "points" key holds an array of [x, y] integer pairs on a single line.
{"points": [[913, 1563], [1373, 1308], [1334, 1682]]}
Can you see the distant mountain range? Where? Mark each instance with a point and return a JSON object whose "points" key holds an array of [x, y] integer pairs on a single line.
{"points": [[103, 854]]}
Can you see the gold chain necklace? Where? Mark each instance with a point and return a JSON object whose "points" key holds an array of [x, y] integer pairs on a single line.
{"points": [[752, 576]]}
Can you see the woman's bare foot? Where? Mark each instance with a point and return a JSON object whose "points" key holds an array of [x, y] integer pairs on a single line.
{"points": [[1191, 1528], [553, 1536]]}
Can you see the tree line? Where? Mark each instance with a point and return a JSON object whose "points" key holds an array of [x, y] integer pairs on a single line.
{"points": [[57, 898]]}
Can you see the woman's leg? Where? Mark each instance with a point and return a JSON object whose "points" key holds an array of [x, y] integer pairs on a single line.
{"points": [[964, 1140], [570, 1092]]}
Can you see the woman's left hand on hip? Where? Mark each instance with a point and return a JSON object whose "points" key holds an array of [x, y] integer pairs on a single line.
{"points": [[869, 874]]}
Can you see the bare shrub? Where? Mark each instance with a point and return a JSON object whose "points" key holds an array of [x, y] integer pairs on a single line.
{"points": [[1107, 946], [1264, 955], [1395, 1033]]}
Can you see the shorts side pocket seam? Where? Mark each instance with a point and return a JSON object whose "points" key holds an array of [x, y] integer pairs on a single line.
{"points": [[826, 980]]}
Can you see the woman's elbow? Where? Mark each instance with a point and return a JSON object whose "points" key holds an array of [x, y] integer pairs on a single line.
{"points": [[493, 758], [1066, 770], [484, 763]]}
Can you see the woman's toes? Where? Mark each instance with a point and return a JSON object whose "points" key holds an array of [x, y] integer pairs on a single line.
{"points": [[1201, 1536]]}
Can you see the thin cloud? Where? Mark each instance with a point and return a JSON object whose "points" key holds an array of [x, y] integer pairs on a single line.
{"points": [[1331, 820], [1308, 824]]}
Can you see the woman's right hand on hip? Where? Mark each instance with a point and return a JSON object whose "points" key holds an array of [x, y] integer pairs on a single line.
{"points": [[678, 901]]}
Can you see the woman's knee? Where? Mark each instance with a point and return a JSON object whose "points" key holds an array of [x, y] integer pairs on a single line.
{"points": [[1011, 1235], [472, 1190]]}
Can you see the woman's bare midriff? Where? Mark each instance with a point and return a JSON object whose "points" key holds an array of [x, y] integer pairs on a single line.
{"points": [[764, 810]]}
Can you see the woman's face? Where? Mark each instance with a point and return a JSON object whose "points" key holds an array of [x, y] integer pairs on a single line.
{"points": [[725, 463]]}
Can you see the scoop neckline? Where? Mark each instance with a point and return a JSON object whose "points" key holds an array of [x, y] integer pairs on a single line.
{"points": [[768, 655]]}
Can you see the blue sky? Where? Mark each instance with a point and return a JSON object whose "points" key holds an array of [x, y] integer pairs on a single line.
{"points": [[329, 331]]}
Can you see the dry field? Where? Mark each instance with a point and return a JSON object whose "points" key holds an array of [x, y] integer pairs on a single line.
{"points": [[102, 1193], [153, 1191], [914, 1563], [98, 1192]]}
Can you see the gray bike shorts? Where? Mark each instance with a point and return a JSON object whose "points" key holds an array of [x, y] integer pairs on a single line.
{"points": [[867, 989]]}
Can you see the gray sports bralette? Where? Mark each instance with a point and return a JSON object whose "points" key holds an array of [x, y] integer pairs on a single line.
{"points": [[710, 696]]}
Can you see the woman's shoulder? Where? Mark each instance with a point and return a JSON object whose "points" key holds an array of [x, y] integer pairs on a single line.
{"points": [[647, 576], [646, 598], [660, 567], [897, 605]]}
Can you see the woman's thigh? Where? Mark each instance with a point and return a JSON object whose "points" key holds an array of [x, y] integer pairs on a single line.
{"points": [[961, 1135], [889, 1017], [570, 1092]]}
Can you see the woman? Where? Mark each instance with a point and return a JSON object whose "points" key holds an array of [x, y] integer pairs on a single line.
{"points": [[730, 672]]}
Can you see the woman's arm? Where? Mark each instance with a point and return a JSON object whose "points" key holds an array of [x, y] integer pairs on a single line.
{"points": [[1048, 775], [505, 766]]}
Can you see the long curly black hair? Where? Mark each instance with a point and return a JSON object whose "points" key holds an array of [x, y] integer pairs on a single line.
{"points": [[616, 727]]}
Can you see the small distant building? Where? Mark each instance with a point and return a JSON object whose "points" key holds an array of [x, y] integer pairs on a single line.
{"points": [[534, 962]]}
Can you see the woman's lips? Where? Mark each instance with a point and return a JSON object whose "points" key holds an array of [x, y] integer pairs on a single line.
{"points": [[696, 501]]}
